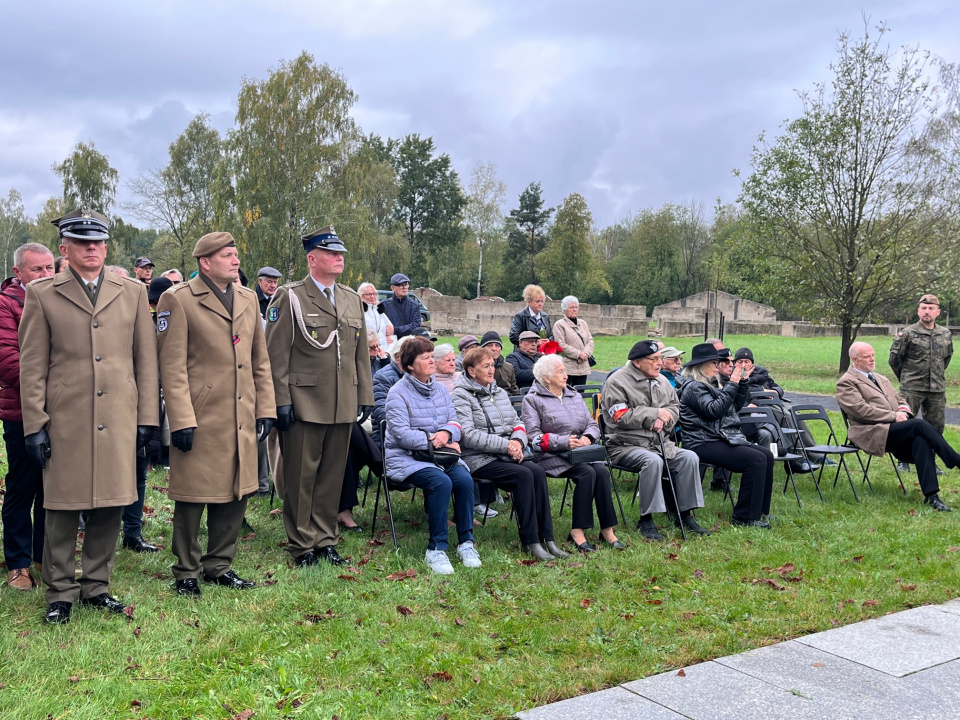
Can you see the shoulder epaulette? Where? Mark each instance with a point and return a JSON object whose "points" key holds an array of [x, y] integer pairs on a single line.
{"points": [[348, 289]]}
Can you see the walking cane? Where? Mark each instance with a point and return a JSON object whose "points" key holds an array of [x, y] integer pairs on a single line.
{"points": [[673, 491]]}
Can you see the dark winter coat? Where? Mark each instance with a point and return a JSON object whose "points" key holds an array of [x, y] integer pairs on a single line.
{"points": [[709, 413]]}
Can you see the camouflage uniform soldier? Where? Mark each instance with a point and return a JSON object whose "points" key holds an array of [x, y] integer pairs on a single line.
{"points": [[919, 357]]}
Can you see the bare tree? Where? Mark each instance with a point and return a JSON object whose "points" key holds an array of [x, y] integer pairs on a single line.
{"points": [[484, 216]]}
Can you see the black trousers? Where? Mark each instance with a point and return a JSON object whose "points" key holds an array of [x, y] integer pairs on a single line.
{"points": [[916, 441], [755, 463], [363, 453], [23, 512], [531, 499], [592, 483], [573, 380]]}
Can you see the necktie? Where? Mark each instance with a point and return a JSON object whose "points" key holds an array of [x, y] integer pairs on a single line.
{"points": [[873, 379], [328, 294], [539, 322], [91, 287]]}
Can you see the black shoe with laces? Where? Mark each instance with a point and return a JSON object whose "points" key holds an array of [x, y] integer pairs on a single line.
{"points": [[58, 613], [188, 587], [330, 554], [138, 544], [936, 503], [105, 601], [649, 530], [690, 524], [231, 579]]}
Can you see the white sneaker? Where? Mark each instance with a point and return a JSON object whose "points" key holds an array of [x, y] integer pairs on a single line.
{"points": [[498, 500], [468, 555], [438, 562], [480, 509]]}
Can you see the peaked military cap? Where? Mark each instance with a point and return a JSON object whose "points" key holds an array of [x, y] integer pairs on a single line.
{"points": [[325, 239], [83, 224], [213, 242]]}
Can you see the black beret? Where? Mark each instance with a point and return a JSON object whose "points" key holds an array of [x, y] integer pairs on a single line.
{"points": [[642, 349]]}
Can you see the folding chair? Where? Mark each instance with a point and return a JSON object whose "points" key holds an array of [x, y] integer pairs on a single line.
{"points": [[386, 484], [588, 389], [611, 466], [866, 468], [763, 416], [808, 413]]}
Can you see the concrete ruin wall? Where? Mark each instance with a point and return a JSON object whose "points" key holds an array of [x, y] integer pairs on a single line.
{"points": [[734, 308]]}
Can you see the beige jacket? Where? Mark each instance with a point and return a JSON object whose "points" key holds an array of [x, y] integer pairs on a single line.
{"points": [[644, 398], [572, 344], [869, 409], [89, 375], [216, 378]]}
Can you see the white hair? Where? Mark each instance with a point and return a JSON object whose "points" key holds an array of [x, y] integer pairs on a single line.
{"points": [[442, 351], [395, 348], [169, 272], [363, 286], [567, 301], [547, 366]]}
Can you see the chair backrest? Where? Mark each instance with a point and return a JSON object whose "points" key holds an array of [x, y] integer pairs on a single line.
{"points": [[764, 401], [810, 412], [772, 394], [762, 416], [525, 390], [588, 388], [595, 405]]}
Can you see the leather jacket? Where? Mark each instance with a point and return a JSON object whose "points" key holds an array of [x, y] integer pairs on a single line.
{"points": [[709, 413]]}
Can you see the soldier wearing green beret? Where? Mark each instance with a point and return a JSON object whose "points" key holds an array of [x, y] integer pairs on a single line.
{"points": [[919, 357]]}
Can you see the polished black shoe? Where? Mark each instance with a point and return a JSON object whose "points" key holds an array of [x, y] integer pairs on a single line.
{"points": [[138, 544], [188, 587], [58, 613], [649, 530], [231, 579], [690, 524], [903, 467], [616, 544], [308, 559], [105, 601], [719, 485], [800, 467], [330, 554], [936, 503], [749, 523], [940, 470], [583, 547]]}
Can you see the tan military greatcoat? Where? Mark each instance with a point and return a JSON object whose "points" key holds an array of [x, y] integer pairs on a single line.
{"points": [[308, 378], [216, 378], [89, 375]]}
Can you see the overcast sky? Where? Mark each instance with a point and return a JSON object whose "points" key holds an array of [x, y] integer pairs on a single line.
{"points": [[632, 104]]}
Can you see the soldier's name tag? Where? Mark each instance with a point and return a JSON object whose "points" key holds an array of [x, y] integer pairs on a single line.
{"points": [[161, 324], [313, 314], [273, 314], [163, 313]]}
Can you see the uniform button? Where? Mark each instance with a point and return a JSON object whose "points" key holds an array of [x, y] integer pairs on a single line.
{"points": [[99, 393], [96, 325], [98, 358], [241, 427], [239, 366], [99, 427], [239, 397]]}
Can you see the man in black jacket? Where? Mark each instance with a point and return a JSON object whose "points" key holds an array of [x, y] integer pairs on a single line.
{"points": [[403, 313], [524, 358], [267, 281]]}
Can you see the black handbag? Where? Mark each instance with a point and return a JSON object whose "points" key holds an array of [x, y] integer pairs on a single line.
{"points": [[591, 360], [444, 456], [587, 454], [504, 457]]}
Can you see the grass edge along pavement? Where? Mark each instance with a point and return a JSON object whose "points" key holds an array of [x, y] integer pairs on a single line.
{"points": [[487, 643]]}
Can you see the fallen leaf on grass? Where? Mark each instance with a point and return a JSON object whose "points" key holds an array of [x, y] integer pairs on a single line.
{"points": [[870, 603], [245, 715], [912, 512], [251, 536], [908, 587], [586, 602], [74, 678], [458, 621], [132, 665], [269, 582], [673, 556], [158, 575], [442, 676], [351, 578], [404, 610], [23, 633], [688, 615], [953, 548], [317, 617], [402, 575], [128, 611], [575, 564], [654, 602], [627, 616], [136, 703], [136, 631], [528, 562], [857, 558], [768, 581], [698, 573], [681, 673], [818, 664], [195, 623]]}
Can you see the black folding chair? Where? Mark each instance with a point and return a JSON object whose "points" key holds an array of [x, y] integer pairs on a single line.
{"points": [[866, 468], [758, 417], [808, 413], [611, 466], [386, 484], [588, 389]]}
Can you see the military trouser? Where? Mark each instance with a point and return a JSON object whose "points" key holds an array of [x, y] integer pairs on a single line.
{"points": [[932, 405]]}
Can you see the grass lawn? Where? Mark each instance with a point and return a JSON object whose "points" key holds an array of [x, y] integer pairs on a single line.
{"points": [[354, 643], [807, 365]]}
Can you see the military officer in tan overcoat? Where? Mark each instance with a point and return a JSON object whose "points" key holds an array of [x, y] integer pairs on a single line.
{"points": [[90, 396], [316, 337], [219, 397]]}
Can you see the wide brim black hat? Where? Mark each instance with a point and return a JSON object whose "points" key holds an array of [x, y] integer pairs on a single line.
{"points": [[704, 352]]}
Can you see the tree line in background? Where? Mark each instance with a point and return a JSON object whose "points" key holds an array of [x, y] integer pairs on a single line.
{"points": [[845, 217]]}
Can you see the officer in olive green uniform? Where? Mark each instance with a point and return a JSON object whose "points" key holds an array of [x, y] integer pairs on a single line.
{"points": [[317, 342], [919, 357]]}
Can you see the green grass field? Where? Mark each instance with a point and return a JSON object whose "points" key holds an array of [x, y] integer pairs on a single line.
{"points": [[356, 643]]}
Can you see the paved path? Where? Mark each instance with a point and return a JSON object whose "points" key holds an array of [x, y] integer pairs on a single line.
{"points": [[904, 665]]}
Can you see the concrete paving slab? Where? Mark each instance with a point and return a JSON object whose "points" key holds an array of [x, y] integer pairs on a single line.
{"points": [[613, 704], [898, 644], [711, 691], [939, 684], [951, 607], [838, 688]]}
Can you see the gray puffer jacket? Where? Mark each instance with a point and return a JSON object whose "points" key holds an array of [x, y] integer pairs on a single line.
{"points": [[478, 447], [550, 422]]}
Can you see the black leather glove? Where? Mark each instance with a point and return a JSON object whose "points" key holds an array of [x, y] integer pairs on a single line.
{"points": [[38, 446], [285, 417], [264, 426], [182, 440], [143, 436], [363, 412]]}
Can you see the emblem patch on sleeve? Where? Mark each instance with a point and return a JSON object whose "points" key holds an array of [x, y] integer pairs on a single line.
{"points": [[273, 314], [161, 324]]}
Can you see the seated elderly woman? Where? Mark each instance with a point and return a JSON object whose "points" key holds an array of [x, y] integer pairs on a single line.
{"points": [[710, 427], [575, 340], [419, 415], [447, 372], [531, 317], [557, 421], [493, 443]]}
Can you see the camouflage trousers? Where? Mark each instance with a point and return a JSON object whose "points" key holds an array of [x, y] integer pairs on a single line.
{"points": [[932, 406]]}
